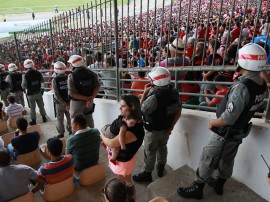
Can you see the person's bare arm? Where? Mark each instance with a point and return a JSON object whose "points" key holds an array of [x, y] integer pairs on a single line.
{"points": [[40, 182], [114, 142]]}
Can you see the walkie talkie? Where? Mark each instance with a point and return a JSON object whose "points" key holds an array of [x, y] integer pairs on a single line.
{"points": [[267, 166]]}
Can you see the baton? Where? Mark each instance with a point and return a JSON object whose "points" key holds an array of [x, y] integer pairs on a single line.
{"points": [[266, 165]]}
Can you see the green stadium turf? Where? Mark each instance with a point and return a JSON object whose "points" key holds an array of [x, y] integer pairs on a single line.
{"points": [[28, 6]]}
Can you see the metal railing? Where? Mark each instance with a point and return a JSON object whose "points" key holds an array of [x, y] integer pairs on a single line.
{"points": [[143, 29]]}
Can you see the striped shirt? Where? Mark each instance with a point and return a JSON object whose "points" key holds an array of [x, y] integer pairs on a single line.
{"points": [[13, 110], [58, 171]]}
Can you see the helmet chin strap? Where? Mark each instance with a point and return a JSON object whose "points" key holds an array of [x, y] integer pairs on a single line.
{"points": [[238, 68]]}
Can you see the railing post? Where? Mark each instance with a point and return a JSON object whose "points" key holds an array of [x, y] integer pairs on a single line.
{"points": [[116, 46], [17, 50], [50, 22]]}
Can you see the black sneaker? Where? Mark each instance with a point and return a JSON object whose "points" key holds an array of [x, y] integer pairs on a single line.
{"points": [[33, 122], [217, 184], [60, 136], [195, 190], [143, 177], [44, 119], [160, 170]]}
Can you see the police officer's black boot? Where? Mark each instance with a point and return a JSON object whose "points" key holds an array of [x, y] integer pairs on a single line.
{"points": [[195, 190], [44, 118], [160, 169], [143, 177], [217, 184], [33, 122]]}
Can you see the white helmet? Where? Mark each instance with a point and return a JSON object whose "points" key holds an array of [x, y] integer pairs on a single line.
{"points": [[2, 67], [12, 67], [251, 56], [76, 61], [160, 76], [28, 63], [59, 67]]}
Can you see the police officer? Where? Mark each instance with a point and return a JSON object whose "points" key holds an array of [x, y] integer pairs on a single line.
{"points": [[161, 108], [236, 109], [32, 82], [4, 87], [60, 87], [14, 80], [83, 86]]}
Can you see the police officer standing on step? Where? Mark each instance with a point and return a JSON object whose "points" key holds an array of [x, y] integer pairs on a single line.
{"points": [[83, 87], [14, 80], [32, 82], [236, 109], [161, 108], [4, 87], [60, 88]]}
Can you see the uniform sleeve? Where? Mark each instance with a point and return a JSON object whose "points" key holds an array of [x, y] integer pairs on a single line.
{"points": [[8, 79], [149, 105], [24, 82], [95, 79], [71, 87], [237, 100], [58, 97]]}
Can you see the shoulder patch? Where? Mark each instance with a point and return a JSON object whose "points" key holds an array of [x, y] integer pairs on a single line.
{"points": [[235, 96], [230, 107]]}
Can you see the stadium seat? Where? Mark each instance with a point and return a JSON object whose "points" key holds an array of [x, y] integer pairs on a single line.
{"points": [[7, 138], [30, 159], [28, 197], [3, 126], [159, 199], [35, 128], [12, 122], [58, 191], [92, 174]]}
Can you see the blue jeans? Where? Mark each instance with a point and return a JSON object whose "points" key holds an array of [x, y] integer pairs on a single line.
{"points": [[12, 153]]}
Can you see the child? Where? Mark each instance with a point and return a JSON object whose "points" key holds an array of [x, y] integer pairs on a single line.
{"points": [[119, 126]]}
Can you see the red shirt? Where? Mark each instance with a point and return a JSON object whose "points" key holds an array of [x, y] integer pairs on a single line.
{"points": [[217, 100], [139, 85]]}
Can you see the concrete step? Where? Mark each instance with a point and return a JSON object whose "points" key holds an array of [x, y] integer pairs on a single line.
{"points": [[234, 191]]}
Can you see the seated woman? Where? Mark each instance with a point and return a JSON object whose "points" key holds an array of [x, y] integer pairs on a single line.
{"points": [[125, 160], [23, 142]]}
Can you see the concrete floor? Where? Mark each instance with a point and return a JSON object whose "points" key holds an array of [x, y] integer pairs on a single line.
{"points": [[165, 186], [93, 193]]}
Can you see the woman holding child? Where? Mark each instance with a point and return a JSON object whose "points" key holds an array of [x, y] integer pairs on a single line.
{"points": [[133, 138]]}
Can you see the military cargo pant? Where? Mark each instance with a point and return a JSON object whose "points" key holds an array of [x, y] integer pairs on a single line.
{"points": [[4, 95], [19, 97], [80, 107], [210, 157], [155, 147], [61, 111], [33, 99]]}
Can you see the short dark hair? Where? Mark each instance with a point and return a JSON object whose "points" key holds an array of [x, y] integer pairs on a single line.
{"points": [[98, 56], [220, 77], [11, 99], [117, 190], [141, 74], [55, 146], [80, 119], [22, 124], [4, 158]]}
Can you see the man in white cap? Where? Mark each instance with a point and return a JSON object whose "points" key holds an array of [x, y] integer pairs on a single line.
{"points": [[32, 82], [177, 58], [235, 111], [83, 87], [14, 80], [60, 88], [161, 108]]}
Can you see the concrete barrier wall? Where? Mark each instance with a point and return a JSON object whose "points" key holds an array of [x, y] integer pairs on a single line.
{"points": [[191, 134]]}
